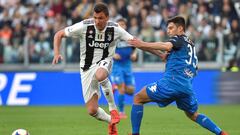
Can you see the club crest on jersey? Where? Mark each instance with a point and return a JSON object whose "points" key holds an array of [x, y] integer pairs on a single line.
{"points": [[98, 44], [90, 31], [90, 34], [109, 36]]}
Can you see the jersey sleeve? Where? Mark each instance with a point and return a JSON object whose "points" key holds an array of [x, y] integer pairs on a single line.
{"points": [[74, 30], [176, 41], [124, 35]]}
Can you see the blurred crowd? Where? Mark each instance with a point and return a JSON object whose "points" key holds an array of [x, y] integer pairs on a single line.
{"points": [[27, 27]]}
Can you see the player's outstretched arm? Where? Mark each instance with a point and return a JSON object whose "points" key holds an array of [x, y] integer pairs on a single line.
{"points": [[163, 46], [57, 45]]}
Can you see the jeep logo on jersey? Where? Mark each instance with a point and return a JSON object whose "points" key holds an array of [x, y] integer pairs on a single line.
{"points": [[98, 45]]}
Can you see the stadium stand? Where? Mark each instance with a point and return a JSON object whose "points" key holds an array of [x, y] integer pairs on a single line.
{"points": [[27, 28]]}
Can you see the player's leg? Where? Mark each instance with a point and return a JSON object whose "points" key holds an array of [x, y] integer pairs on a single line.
{"points": [[121, 100], [118, 80], [91, 94], [129, 81], [95, 111], [102, 76], [189, 104], [155, 92], [205, 122], [137, 110], [128, 88]]}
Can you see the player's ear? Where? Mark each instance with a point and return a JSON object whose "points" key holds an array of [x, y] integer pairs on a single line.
{"points": [[181, 28]]}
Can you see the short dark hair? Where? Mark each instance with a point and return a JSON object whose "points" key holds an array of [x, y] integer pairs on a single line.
{"points": [[178, 20], [101, 7]]}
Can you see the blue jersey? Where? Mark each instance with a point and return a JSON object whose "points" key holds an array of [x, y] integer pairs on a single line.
{"points": [[122, 69], [181, 66], [124, 50]]}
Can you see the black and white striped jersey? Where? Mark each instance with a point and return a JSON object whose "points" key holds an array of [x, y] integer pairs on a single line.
{"points": [[96, 45]]}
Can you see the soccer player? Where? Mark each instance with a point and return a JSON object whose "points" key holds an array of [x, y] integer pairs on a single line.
{"points": [[97, 46], [122, 75], [176, 84]]}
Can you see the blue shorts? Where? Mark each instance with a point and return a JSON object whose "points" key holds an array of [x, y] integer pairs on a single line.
{"points": [[122, 74], [163, 95]]}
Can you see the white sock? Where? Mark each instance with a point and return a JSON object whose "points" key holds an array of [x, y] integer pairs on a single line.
{"points": [[102, 115], [108, 93]]}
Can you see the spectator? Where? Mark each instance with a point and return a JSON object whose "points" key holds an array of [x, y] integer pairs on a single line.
{"points": [[133, 28], [154, 18], [210, 46], [84, 9], [114, 15], [43, 49], [42, 16]]}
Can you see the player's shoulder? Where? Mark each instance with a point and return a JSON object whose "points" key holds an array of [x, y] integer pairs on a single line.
{"points": [[179, 38], [88, 21], [188, 40], [112, 24], [174, 38]]}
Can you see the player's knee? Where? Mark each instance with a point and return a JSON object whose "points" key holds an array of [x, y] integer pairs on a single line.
{"points": [[101, 74], [100, 77], [192, 116], [137, 99]]}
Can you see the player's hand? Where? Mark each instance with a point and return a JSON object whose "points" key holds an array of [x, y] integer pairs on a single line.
{"points": [[135, 42], [133, 57], [164, 56], [57, 58], [116, 56]]}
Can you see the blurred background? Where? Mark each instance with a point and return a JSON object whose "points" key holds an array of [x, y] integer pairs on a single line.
{"points": [[27, 28]]}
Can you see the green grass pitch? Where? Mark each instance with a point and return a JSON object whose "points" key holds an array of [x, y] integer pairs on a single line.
{"points": [[74, 120]]}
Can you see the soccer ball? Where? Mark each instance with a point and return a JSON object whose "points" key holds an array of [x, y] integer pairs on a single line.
{"points": [[20, 132]]}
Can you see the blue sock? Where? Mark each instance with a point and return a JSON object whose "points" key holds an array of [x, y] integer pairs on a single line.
{"points": [[205, 122], [136, 118], [121, 102]]}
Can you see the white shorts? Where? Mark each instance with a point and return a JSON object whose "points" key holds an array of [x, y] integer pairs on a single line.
{"points": [[90, 84]]}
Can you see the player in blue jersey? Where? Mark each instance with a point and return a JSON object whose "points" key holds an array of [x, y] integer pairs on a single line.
{"points": [[176, 84], [122, 76]]}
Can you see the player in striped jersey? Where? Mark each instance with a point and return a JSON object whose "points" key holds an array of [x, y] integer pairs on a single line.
{"points": [[97, 46]]}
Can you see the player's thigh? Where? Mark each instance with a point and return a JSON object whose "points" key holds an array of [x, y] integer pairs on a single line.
{"points": [[90, 85], [187, 103], [160, 93]]}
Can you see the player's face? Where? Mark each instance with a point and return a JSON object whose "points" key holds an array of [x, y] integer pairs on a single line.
{"points": [[122, 24], [100, 20], [172, 29]]}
